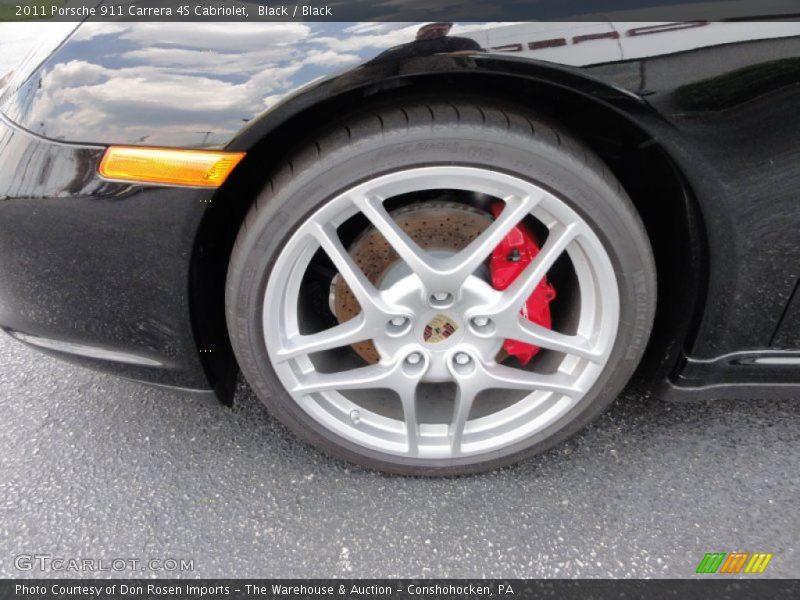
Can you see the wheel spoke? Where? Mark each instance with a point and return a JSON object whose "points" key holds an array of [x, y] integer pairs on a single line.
{"points": [[350, 332], [366, 293], [409, 400], [478, 250], [465, 397], [537, 335], [515, 295], [408, 250], [495, 376], [377, 376]]}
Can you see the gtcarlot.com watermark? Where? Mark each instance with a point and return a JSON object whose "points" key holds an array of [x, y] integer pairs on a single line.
{"points": [[64, 564]]}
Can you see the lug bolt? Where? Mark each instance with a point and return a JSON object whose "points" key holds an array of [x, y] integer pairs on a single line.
{"points": [[414, 358], [440, 296], [398, 321], [462, 358], [480, 321]]}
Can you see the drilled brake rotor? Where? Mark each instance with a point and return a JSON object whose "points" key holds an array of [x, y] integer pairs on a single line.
{"points": [[435, 226]]}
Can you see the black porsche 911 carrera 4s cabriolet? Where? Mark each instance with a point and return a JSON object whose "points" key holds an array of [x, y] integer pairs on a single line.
{"points": [[430, 248]]}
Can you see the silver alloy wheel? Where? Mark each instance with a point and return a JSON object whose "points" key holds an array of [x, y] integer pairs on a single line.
{"points": [[445, 286]]}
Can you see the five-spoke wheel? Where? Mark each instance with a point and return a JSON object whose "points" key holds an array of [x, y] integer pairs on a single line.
{"points": [[362, 302], [447, 290]]}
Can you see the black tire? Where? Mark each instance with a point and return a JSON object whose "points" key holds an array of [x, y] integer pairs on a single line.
{"points": [[412, 134]]}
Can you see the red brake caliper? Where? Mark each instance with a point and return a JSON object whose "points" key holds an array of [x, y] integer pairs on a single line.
{"points": [[508, 260]]}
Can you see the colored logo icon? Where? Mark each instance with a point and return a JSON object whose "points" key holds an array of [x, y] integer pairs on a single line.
{"points": [[734, 563], [439, 329]]}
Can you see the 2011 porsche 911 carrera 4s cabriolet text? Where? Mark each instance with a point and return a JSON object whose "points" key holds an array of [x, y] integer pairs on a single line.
{"points": [[430, 248]]}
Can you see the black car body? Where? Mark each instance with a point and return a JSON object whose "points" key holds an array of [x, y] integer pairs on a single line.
{"points": [[698, 120]]}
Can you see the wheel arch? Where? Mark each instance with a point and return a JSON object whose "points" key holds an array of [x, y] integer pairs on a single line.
{"points": [[618, 125]]}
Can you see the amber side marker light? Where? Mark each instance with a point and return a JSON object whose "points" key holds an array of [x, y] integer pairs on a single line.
{"points": [[202, 168]]}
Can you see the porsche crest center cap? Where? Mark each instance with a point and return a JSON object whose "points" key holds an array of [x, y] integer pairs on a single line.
{"points": [[439, 328]]}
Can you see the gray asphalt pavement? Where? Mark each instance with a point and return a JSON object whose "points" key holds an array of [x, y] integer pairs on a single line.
{"points": [[93, 466]]}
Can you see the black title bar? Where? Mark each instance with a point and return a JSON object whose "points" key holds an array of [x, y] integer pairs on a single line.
{"points": [[396, 10], [428, 589]]}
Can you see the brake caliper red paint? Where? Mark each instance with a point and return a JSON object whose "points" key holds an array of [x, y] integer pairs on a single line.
{"points": [[509, 259]]}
